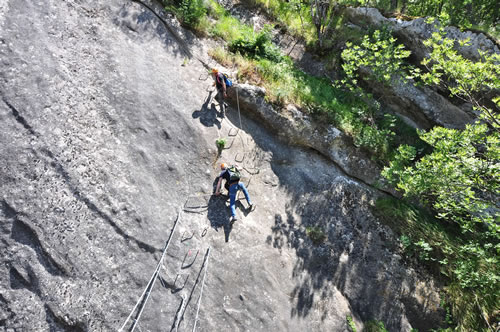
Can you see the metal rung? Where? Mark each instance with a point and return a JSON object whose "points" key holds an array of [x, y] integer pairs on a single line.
{"points": [[230, 145], [239, 157], [200, 201], [233, 132], [179, 276], [192, 259], [185, 238]]}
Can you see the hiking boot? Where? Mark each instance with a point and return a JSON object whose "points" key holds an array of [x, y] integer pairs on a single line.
{"points": [[232, 220]]}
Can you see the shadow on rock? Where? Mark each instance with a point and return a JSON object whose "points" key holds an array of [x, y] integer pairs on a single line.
{"points": [[145, 16], [208, 116], [218, 214], [338, 242]]}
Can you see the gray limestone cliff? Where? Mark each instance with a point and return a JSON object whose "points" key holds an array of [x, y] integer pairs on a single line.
{"points": [[107, 139], [423, 107]]}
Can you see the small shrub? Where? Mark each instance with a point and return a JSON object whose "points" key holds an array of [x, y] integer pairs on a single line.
{"points": [[316, 234], [350, 323], [424, 251], [221, 143], [191, 12], [257, 46], [374, 326], [407, 244]]}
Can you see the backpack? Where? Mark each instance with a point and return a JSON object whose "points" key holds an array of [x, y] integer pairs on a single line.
{"points": [[228, 82], [234, 174]]}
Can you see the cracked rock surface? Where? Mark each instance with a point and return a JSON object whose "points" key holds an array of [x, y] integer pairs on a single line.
{"points": [[107, 132]]}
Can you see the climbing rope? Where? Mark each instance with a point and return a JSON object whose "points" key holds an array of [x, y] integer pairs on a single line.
{"points": [[149, 288], [201, 291], [151, 282], [239, 113]]}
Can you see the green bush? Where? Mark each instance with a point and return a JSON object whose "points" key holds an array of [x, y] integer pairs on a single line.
{"points": [[220, 143], [374, 326], [316, 234], [257, 46], [292, 15], [191, 12], [470, 267], [350, 323]]}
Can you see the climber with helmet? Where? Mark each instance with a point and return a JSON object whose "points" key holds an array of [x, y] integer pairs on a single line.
{"points": [[233, 184], [220, 84]]}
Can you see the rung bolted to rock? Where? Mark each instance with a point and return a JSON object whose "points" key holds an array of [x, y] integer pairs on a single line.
{"points": [[189, 259]]}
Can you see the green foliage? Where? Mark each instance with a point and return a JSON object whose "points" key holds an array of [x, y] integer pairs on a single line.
{"points": [[316, 234], [229, 28], [406, 243], [350, 323], [456, 12], [257, 46], [457, 179], [465, 79], [419, 232], [377, 59], [377, 136], [291, 15], [190, 12], [470, 268], [424, 250], [378, 56], [478, 268], [220, 143], [401, 160], [460, 180], [420, 249], [374, 326], [481, 14]]}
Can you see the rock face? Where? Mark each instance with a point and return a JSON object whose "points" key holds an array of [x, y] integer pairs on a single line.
{"points": [[413, 33], [107, 138], [296, 127], [423, 106]]}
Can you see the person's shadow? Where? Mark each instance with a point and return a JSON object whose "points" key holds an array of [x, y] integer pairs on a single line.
{"points": [[218, 213], [209, 116]]}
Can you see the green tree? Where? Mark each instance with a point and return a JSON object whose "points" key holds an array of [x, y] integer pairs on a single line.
{"points": [[460, 178], [457, 12], [322, 12], [468, 80], [377, 59]]}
